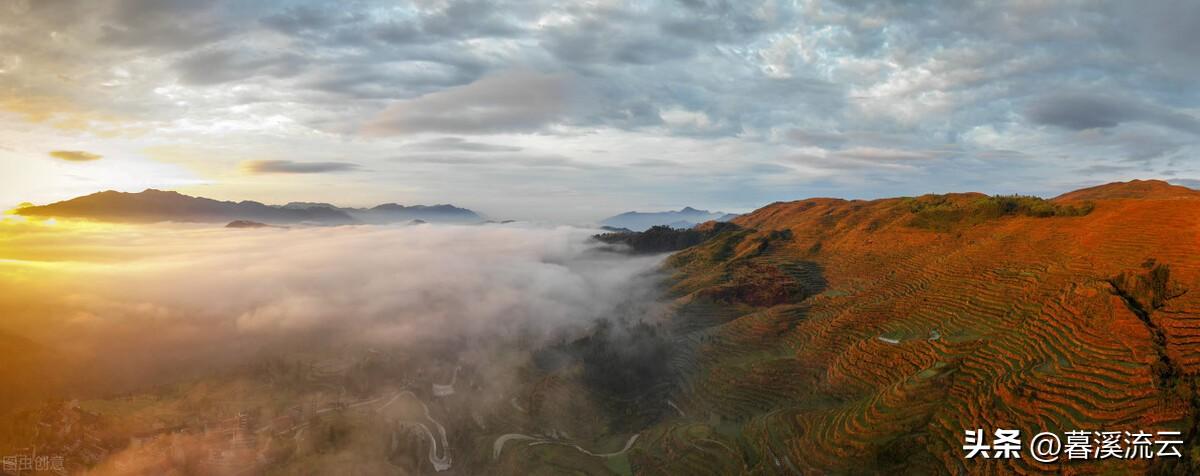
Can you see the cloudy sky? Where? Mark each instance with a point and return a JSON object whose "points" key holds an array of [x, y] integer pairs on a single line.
{"points": [[571, 111]]}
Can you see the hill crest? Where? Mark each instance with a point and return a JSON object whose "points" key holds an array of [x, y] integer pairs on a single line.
{"points": [[1133, 189], [836, 328]]}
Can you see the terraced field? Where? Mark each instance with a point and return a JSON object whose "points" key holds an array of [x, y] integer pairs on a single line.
{"points": [[891, 339]]}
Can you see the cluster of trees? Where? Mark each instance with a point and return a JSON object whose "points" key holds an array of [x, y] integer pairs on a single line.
{"points": [[1000, 205], [664, 239], [623, 362], [942, 212]]}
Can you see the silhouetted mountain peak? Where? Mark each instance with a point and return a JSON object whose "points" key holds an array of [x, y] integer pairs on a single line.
{"points": [[306, 205], [246, 224], [685, 217], [153, 205]]}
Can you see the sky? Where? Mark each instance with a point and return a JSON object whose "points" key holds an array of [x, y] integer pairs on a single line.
{"points": [[573, 111]]}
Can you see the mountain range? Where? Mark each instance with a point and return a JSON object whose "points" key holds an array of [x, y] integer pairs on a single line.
{"points": [[160, 206], [686, 217], [829, 336]]}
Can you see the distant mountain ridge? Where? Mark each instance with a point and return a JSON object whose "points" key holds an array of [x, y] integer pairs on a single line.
{"points": [[153, 205], [1137, 189], [686, 217]]}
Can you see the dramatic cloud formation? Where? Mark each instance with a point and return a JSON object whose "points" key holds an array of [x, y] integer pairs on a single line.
{"points": [[449, 101], [1079, 112], [144, 303], [74, 155], [292, 167]]}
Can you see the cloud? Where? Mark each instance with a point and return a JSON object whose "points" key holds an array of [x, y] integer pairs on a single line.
{"points": [[301, 19], [825, 140], [293, 167], [874, 154], [1080, 112], [74, 155], [497, 161], [188, 298], [1158, 33], [1189, 183], [507, 102], [594, 42], [163, 25], [1106, 169], [654, 163], [1096, 111], [223, 65], [460, 144]]}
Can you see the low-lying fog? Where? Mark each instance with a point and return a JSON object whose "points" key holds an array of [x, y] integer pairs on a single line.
{"points": [[395, 349], [144, 304]]}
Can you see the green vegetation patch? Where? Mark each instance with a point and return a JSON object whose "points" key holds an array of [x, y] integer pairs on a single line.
{"points": [[943, 212], [938, 368], [619, 464]]}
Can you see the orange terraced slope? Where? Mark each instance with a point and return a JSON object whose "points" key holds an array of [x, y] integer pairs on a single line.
{"points": [[885, 341]]}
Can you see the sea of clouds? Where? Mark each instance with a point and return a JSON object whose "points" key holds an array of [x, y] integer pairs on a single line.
{"points": [[139, 304]]}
